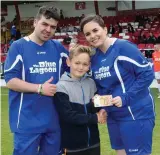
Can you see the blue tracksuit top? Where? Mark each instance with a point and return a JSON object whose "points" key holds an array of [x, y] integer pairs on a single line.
{"points": [[26, 60], [123, 71]]}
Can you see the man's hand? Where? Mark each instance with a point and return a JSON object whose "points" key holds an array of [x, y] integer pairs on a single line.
{"points": [[49, 89]]}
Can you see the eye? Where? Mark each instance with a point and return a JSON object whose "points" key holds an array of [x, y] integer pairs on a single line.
{"points": [[95, 30], [85, 64], [45, 24], [87, 34], [53, 27]]}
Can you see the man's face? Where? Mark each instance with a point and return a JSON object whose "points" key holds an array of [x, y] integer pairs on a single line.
{"points": [[45, 28]]}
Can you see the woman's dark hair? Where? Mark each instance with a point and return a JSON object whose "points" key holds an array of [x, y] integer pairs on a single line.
{"points": [[48, 12], [89, 18]]}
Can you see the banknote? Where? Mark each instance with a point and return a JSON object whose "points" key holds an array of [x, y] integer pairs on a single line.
{"points": [[102, 101]]}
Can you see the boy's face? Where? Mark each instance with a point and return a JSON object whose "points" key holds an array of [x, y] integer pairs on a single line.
{"points": [[45, 28], [79, 65]]}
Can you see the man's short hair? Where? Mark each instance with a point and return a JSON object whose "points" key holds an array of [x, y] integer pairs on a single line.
{"points": [[48, 12]]}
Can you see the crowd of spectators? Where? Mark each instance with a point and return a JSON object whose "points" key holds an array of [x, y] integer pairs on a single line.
{"points": [[151, 39], [67, 28], [145, 35], [144, 23]]}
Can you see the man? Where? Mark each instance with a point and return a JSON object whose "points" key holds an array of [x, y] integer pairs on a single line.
{"points": [[13, 38], [32, 68], [13, 30], [156, 62]]}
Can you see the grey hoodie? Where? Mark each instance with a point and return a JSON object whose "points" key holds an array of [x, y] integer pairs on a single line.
{"points": [[78, 119], [75, 88]]}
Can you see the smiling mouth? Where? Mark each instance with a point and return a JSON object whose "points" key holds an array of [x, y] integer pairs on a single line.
{"points": [[80, 71], [46, 34], [95, 41]]}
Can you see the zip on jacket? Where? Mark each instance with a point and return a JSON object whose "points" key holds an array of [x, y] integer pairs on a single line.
{"points": [[77, 114]]}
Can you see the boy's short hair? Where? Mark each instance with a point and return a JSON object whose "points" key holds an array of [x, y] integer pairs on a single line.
{"points": [[76, 49], [48, 12]]}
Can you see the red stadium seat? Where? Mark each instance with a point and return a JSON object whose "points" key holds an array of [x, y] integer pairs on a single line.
{"points": [[141, 46], [150, 46], [3, 58]]}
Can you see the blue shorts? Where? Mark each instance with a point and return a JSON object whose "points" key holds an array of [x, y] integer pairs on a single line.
{"points": [[36, 144], [133, 136]]}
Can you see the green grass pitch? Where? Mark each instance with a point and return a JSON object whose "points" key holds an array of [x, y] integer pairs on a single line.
{"points": [[7, 139]]}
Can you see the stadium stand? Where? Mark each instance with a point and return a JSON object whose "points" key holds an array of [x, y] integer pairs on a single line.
{"points": [[123, 19]]}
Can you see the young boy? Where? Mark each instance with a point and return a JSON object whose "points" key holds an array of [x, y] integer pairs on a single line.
{"points": [[73, 100]]}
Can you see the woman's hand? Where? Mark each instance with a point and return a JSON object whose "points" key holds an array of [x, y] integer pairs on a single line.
{"points": [[117, 101]]}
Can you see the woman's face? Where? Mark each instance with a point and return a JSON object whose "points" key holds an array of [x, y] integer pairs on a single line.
{"points": [[95, 34]]}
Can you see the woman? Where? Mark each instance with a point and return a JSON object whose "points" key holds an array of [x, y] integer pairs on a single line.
{"points": [[119, 69]]}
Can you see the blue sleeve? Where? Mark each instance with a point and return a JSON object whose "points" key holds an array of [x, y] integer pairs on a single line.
{"points": [[64, 54], [13, 63], [136, 64]]}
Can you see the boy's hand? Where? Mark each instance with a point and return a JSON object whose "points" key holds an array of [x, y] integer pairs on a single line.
{"points": [[102, 116]]}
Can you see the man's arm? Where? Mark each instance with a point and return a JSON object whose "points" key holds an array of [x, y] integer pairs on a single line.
{"points": [[19, 85], [13, 74], [64, 55], [22, 86]]}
